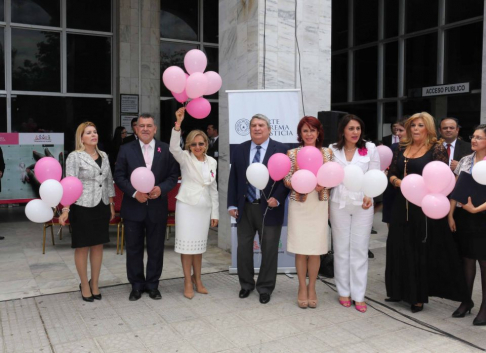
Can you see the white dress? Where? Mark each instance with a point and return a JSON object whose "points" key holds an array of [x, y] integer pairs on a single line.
{"points": [[192, 221]]}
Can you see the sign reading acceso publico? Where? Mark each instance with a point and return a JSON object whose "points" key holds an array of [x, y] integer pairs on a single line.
{"points": [[454, 88]]}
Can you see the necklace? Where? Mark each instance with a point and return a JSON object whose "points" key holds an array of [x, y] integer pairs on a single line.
{"points": [[352, 149], [410, 157], [93, 154]]}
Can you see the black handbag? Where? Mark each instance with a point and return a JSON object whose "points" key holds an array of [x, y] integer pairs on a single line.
{"points": [[327, 263]]}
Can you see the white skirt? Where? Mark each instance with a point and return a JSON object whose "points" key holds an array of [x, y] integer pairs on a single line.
{"points": [[192, 226]]}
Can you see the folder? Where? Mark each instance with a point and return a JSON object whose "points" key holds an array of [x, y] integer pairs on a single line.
{"points": [[466, 187]]}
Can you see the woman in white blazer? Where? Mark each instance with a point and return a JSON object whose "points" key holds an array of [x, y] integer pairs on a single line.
{"points": [[91, 213], [351, 214], [197, 205]]}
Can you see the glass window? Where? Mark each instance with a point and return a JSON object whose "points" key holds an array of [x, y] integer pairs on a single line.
{"points": [[92, 15], [416, 105], [179, 19], [2, 10], [365, 21], [464, 54], [88, 64], [210, 21], [339, 78], [2, 59], [421, 14], [3, 114], [458, 10], [172, 54], [36, 61], [391, 69], [365, 73], [467, 108], [339, 24], [37, 12], [391, 18], [368, 113], [421, 61], [390, 110]]}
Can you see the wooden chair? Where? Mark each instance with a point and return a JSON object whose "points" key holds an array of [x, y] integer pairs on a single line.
{"points": [[171, 198], [118, 221], [50, 224]]}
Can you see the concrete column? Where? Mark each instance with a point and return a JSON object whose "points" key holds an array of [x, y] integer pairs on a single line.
{"points": [[483, 78]]}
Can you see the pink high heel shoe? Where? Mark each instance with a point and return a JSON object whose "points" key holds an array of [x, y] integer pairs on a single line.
{"points": [[360, 308], [345, 303]]}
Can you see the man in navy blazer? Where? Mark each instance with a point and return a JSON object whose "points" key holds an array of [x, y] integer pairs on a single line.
{"points": [[145, 215], [251, 208]]}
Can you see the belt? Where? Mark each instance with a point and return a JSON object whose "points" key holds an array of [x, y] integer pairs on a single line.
{"points": [[255, 202]]}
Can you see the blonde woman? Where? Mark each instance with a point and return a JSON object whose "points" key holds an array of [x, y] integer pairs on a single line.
{"points": [[90, 215], [197, 204], [421, 257]]}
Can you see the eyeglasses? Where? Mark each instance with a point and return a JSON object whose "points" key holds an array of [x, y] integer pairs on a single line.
{"points": [[477, 138], [200, 144]]}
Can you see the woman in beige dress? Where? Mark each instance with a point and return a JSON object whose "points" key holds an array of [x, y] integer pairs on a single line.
{"points": [[308, 214]]}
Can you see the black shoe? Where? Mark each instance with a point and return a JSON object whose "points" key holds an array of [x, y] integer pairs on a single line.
{"points": [[135, 295], [1, 237], [154, 294], [479, 322], [416, 308], [462, 313], [244, 293], [95, 296], [370, 255], [391, 300], [86, 299], [264, 298], [373, 231]]}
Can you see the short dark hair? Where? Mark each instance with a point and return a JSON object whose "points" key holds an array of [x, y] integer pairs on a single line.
{"points": [[134, 120], [342, 125], [215, 127], [147, 116], [450, 118], [401, 121]]}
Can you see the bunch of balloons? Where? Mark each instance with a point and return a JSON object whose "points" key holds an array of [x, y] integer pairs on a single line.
{"points": [[53, 191], [430, 189], [278, 167], [142, 179], [195, 85]]}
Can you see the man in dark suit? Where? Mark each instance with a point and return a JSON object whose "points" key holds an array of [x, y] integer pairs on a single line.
{"points": [[213, 149], [145, 215], [2, 169], [456, 149], [133, 136], [391, 139], [248, 205]]}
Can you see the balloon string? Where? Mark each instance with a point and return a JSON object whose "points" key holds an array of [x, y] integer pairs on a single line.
{"points": [[270, 193]]}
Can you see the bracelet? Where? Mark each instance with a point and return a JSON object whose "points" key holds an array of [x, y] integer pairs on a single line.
{"points": [[66, 209], [112, 203]]}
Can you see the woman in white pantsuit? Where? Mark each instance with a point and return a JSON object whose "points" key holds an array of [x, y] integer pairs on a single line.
{"points": [[351, 214], [197, 202]]}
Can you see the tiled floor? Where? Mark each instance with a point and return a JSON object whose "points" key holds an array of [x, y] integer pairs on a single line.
{"points": [[217, 322]]}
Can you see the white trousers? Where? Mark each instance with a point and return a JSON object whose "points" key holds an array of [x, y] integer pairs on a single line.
{"points": [[351, 229]]}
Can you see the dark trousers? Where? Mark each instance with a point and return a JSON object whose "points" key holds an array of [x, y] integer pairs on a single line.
{"points": [[251, 222], [135, 234]]}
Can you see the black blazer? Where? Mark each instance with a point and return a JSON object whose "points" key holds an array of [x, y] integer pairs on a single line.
{"points": [[129, 139], [2, 167], [461, 149], [387, 140], [214, 148], [238, 184], [166, 172]]}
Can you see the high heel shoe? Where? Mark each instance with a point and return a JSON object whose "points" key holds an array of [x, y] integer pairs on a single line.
{"points": [[416, 308], [479, 322], [360, 308], [86, 299], [201, 290], [312, 302], [95, 296], [188, 295], [303, 304], [345, 303], [462, 313]]}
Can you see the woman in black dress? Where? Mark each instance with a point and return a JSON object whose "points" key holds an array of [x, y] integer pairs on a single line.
{"points": [[90, 214], [421, 257], [469, 223]]}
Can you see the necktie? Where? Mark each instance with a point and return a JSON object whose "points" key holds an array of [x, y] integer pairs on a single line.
{"points": [[146, 156], [449, 150], [251, 192], [211, 142]]}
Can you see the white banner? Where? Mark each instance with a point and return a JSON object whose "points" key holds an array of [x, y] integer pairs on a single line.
{"points": [[282, 108], [38, 138]]}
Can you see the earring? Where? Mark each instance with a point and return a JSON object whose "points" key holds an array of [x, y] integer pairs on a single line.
{"points": [[317, 140]]}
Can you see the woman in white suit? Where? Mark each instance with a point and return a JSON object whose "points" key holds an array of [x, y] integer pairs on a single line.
{"points": [[351, 214], [197, 205]]}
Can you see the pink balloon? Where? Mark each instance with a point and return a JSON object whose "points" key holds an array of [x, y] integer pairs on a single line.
{"points": [[279, 166], [310, 158], [199, 108], [196, 85], [142, 179], [436, 206], [413, 188], [451, 185], [180, 97], [330, 174], [47, 168], [303, 181], [434, 176], [214, 82], [174, 79], [72, 188], [195, 61], [386, 156]]}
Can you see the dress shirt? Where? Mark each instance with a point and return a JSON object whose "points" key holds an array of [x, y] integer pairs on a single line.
{"points": [[150, 151], [395, 139], [453, 147]]}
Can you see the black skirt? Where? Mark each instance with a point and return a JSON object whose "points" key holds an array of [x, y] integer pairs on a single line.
{"points": [[471, 234], [90, 225]]}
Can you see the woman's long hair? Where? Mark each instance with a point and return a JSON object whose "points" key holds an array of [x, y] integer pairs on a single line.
{"points": [[79, 136], [117, 139], [431, 138], [342, 125]]}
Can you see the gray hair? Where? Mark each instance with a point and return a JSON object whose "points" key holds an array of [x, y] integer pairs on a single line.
{"points": [[261, 117]]}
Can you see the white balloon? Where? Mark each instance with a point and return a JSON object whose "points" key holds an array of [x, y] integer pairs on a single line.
{"points": [[257, 174], [479, 172], [374, 183], [353, 177], [38, 211], [51, 192]]}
